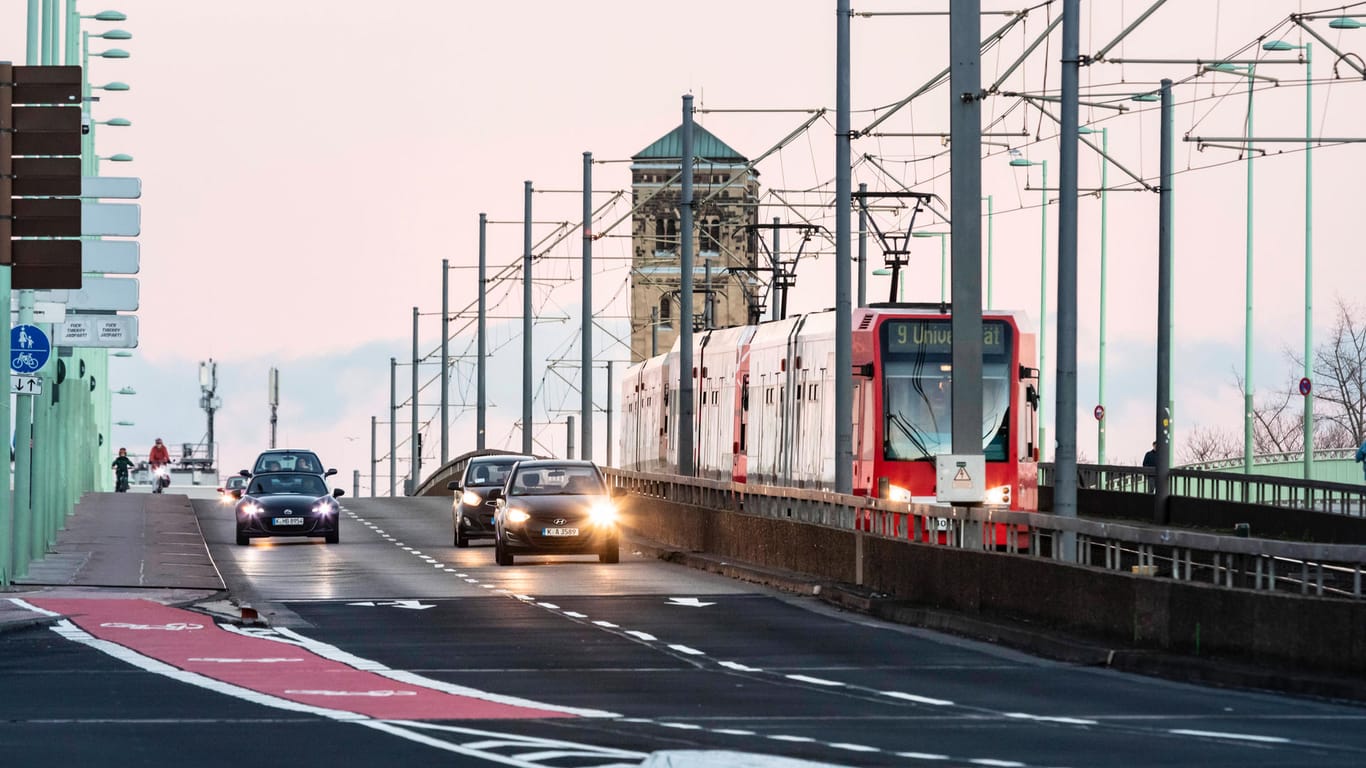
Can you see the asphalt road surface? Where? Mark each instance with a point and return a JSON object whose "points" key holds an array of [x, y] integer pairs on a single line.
{"points": [[394, 647]]}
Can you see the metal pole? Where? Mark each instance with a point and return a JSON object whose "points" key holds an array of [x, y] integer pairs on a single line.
{"points": [[862, 245], [372, 458], [609, 413], [481, 399], [1043, 305], [1248, 404], [393, 426], [1065, 462], [654, 331], [1164, 311], [526, 318], [944, 269], [1104, 285], [990, 242], [569, 437], [775, 312], [685, 372], [445, 358], [1308, 260], [586, 366], [844, 389], [415, 473], [355, 483]]}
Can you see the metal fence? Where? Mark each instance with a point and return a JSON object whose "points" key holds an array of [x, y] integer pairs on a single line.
{"points": [[1290, 493], [1231, 562]]}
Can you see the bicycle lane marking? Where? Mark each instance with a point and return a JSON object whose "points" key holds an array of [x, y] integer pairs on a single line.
{"points": [[192, 642]]}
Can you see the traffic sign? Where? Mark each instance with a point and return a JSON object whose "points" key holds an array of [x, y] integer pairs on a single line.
{"points": [[119, 219], [43, 312], [111, 257], [26, 384], [121, 188], [29, 348], [97, 331], [116, 294], [46, 264], [1100, 412], [1305, 386]]}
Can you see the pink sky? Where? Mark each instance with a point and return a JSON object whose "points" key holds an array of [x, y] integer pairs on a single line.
{"points": [[306, 166]]}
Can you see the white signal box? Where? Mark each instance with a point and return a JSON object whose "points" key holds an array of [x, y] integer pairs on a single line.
{"points": [[960, 479]]}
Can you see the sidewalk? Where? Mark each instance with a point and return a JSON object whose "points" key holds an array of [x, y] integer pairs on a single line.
{"points": [[117, 546]]}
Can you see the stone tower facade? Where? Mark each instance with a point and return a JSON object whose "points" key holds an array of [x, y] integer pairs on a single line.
{"points": [[726, 206]]}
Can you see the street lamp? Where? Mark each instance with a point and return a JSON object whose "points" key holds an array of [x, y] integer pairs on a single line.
{"points": [[107, 16], [901, 284], [125, 391], [1020, 162], [123, 424], [1104, 203], [943, 260], [1281, 45], [1345, 22]]}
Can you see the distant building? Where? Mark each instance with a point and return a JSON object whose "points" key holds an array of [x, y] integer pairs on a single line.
{"points": [[726, 202]]}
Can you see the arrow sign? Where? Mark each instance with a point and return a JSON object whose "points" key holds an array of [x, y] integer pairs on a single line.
{"points": [[691, 602], [412, 605], [26, 385]]}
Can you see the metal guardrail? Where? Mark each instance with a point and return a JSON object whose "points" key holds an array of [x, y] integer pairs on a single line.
{"points": [[1290, 493], [1231, 562]]}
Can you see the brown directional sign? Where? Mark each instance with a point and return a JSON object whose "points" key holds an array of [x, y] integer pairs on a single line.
{"points": [[46, 264], [46, 85], [47, 176], [46, 216], [6, 160]]}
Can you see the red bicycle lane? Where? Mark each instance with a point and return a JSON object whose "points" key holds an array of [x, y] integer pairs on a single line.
{"points": [[192, 642]]}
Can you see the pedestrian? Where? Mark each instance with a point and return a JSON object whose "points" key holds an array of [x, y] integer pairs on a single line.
{"points": [[1150, 458], [1361, 457], [121, 466]]}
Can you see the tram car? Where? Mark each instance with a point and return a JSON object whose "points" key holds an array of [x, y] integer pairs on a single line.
{"points": [[764, 404]]}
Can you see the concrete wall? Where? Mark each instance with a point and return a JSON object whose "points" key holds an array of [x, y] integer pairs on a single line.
{"points": [[1130, 612]]}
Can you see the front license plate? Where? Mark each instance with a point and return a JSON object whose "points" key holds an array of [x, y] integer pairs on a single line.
{"points": [[287, 521], [559, 531]]}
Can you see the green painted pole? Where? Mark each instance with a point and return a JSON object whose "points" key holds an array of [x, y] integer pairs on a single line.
{"points": [[1308, 259], [1247, 283], [1043, 305], [1104, 266]]}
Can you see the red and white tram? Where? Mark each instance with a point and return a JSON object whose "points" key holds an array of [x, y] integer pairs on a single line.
{"points": [[765, 414]]}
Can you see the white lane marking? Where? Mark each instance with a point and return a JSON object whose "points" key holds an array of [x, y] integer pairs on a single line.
{"points": [[472, 581], [405, 549], [814, 680], [415, 552], [738, 667], [681, 726], [439, 565], [461, 575], [690, 602], [641, 635], [262, 660], [1238, 736], [793, 739], [606, 624], [493, 739], [917, 699], [175, 626], [687, 650], [734, 732], [1050, 719], [997, 763], [381, 693], [922, 756], [575, 615], [551, 606], [26, 605], [526, 598], [487, 586], [450, 570], [853, 747]]}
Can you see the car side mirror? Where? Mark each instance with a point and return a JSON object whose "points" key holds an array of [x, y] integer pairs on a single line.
{"points": [[237, 493], [337, 493], [329, 473], [245, 473], [494, 494], [453, 485]]}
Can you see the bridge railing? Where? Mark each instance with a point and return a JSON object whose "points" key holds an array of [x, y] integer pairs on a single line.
{"points": [[1232, 562], [1291, 493]]}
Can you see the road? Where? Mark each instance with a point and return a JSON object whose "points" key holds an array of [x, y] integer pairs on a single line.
{"points": [[395, 647]]}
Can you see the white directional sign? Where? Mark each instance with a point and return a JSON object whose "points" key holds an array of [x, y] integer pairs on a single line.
{"points": [[115, 294], [26, 385], [112, 257], [111, 186], [118, 219], [97, 331], [43, 312]]}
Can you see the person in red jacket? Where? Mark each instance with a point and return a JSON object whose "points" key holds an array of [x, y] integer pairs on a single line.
{"points": [[158, 455]]}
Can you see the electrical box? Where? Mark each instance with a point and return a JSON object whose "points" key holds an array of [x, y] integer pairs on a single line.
{"points": [[961, 479]]}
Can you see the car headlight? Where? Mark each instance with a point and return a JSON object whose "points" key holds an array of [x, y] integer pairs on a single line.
{"points": [[323, 508], [471, 499], [251, 508], [897, 493], [603, 513], [515, 515]]}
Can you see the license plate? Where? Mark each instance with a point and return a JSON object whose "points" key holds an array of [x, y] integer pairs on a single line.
{"points": [[941, 523], [559, 531], [287, 521]]}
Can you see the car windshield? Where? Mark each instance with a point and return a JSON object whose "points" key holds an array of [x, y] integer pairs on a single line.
{"points": [[287, 462], [236, 482], [295, 483], [551, 481], [491, 472]]}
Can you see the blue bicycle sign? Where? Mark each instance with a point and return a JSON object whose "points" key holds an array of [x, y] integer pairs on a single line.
{"points": [[29, 348]]}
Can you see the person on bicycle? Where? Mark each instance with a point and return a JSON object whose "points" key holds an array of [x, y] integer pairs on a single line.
{"points": [[158, 456], [121, 466]]}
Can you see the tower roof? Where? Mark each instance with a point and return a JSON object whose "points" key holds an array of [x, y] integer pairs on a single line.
{"points": [[705, 147]]}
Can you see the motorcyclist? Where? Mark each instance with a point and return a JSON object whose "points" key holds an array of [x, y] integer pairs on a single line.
{"points": [[121, 466], [157, 458]]}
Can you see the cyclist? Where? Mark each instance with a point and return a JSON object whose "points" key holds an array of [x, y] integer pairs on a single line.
{"points": [[157, 458], [121, 466]]}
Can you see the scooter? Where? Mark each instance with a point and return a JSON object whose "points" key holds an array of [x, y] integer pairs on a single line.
{"points": [[161, 478]]}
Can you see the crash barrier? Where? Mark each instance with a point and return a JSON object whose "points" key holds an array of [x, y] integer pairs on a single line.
{"points": [[1144, 586]]}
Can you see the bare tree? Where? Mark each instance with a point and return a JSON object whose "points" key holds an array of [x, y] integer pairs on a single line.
{"points": [[1209, 444], [1340, 381]]}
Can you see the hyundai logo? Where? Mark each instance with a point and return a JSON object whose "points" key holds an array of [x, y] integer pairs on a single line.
{"points": [[559, 521]]}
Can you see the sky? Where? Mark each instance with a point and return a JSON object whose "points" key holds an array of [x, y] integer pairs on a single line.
{"points": [[306, 166]]}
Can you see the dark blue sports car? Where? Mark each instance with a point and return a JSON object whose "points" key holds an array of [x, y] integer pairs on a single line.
{"points": [[288, 504]]}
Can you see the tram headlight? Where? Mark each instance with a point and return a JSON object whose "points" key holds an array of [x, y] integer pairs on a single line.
{"points": [[998, 496], [897, 493]]}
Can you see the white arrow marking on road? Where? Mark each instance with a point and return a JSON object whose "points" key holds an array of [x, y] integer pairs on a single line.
{"points": [[414, 605], [691, 602]]}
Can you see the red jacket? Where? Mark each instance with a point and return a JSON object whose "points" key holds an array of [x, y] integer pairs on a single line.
{"points": [[158, 455]]}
